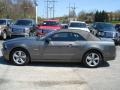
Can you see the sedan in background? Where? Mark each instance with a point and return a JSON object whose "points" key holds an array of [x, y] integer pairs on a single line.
{"points": [[60, 46], [23, 27], [78, 25], [105, 30]]}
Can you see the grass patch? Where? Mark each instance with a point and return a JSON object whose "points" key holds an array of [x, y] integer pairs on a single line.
{"points": [[115, 22]]}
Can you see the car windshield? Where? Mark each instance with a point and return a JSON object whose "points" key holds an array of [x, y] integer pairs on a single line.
{"points": [[24, 23], [50, 23], [78, 25], [106, 27], [2, 22]]}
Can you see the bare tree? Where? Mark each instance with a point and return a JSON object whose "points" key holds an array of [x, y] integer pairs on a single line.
{"points": [[17, 9]]}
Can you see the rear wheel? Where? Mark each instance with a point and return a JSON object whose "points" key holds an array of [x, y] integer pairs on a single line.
{"points": [[92, 59], [20, 57]]}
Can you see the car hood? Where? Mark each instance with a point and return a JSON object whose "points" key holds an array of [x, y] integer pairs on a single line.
{"points": [[84, 29], [2, 26], [106, 39], [20, 27], [23, 39], [107, 30], [110, 34]]}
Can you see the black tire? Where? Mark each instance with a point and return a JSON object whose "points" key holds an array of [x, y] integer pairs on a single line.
{"points": [[98, 61], [4, 35], [12, 58]]}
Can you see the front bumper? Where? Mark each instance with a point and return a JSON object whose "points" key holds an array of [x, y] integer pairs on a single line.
{"points": [[116, 40], [19, 34], [5, 54]]}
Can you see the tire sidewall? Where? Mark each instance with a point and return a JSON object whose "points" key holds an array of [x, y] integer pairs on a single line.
{"points": [[27, 57], [85, 56], [4, 33]]}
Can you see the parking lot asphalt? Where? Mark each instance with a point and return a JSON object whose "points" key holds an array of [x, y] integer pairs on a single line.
{"points": [[60, 76]]}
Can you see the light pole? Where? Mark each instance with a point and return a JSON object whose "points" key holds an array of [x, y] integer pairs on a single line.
{"points": [[36, 11]]}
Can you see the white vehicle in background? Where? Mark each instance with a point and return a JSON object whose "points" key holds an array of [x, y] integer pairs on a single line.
{"points": [[78, 25]]}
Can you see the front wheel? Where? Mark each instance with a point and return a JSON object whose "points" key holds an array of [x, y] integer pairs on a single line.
{"points": [[92, 59], [4, 35], [20, 57]]}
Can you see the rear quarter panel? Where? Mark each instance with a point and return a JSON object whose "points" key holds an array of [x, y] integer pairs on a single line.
{"points": [[107, 48]]}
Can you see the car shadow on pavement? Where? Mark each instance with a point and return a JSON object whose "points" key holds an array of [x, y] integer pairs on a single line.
{"points": [[52, 64], [63, 64]]}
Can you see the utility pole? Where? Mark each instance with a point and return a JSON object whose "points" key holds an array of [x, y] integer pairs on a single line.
{"points": [[54, 8], [69, 12], [47, 8], [74, 10], [50, 8]]}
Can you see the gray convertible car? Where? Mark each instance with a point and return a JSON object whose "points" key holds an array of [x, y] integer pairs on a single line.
{"points": [[60, 46]]}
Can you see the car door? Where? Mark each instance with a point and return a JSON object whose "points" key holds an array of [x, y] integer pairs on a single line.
{"points": [[62, 46]]}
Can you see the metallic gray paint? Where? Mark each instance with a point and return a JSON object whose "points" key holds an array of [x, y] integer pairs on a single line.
{"points": [[60, 51]]}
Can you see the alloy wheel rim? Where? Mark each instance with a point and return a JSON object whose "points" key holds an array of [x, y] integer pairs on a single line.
{"points": [[19, 57], [93, 59]]}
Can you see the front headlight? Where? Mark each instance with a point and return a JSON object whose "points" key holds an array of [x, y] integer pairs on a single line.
{"points": [[4, 46], [26, 30], [101, 34]]}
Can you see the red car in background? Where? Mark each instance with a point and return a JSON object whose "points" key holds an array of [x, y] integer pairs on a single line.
{"points": [[48, 26]]}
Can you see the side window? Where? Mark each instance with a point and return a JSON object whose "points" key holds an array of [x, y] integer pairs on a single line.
{"points": [[63, 36], [78, 37]]}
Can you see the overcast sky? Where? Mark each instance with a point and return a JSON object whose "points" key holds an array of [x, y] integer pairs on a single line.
{"points": [[61, 7]]}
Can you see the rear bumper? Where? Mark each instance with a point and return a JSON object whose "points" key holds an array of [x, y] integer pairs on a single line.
{"points": [[109, 53], [109, 58]]}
